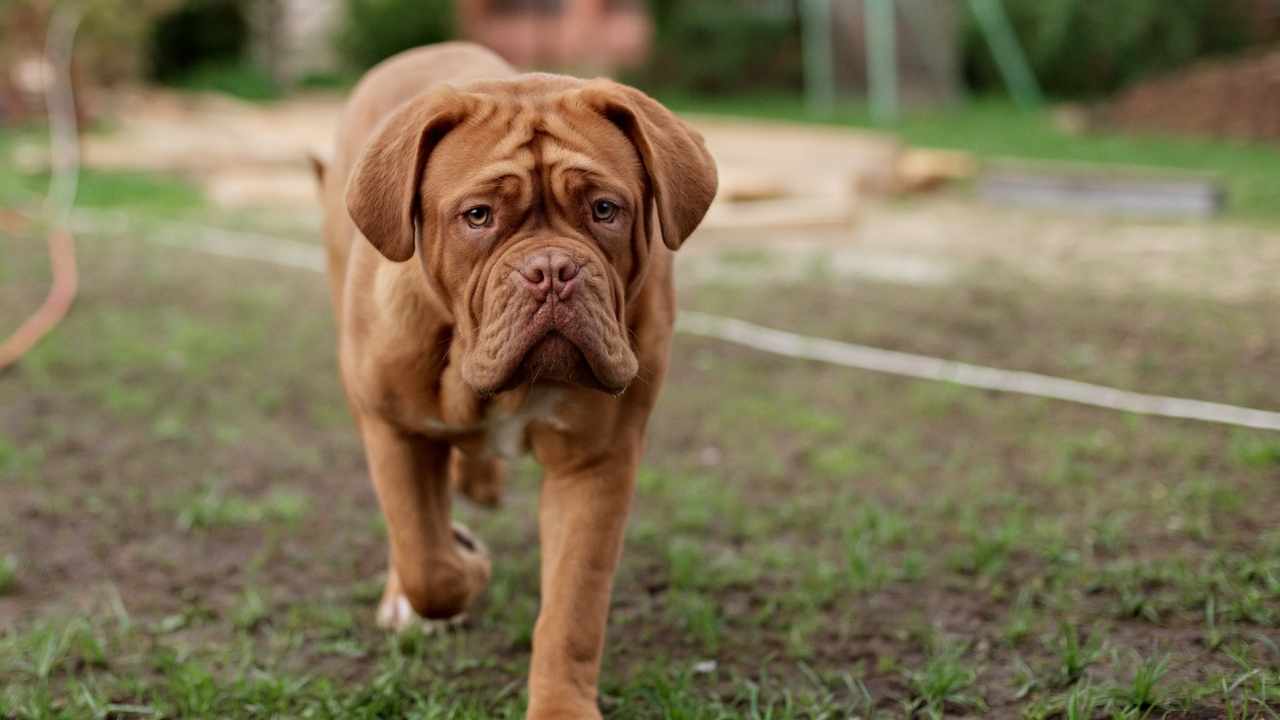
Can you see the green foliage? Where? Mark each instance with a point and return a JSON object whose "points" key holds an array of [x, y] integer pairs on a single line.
{"points": [[202, 46], [326, 80], [720, 46], [1081, 48], [1076, 47], [244, 80], [197, 34], [376, 29]]}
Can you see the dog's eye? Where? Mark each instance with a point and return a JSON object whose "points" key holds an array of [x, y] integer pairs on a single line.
{"points": [[478, 216], [604, 211]]}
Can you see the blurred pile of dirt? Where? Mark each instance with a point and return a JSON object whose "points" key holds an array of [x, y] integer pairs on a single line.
{"points": [[1236, 98]]}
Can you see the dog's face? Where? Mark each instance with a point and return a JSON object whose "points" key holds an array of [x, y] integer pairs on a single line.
{"points": [[531, 205]]}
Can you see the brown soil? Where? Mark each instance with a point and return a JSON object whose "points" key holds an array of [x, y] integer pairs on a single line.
{"points": [[1237, 98]]}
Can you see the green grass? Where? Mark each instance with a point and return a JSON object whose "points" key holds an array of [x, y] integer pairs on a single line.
{"points": [[195, 533], [147, 194], [944, 682], [157, 196], [214, 507], [994, 128], [8, 573]]}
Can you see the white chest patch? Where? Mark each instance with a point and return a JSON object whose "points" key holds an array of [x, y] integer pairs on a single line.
{"points": [[504, 432]]}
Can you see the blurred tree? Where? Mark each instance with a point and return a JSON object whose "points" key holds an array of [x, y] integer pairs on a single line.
{"points": [[197, 34], [110, 41], [725, 46], [107, 50], [375, 29], [1087, 47]]}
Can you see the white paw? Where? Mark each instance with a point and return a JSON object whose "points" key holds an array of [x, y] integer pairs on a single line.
{"points": [[397, 615]]}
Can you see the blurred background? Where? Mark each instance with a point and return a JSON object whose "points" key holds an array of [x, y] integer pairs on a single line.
{"points": [[1084, 189], [943, 74]]}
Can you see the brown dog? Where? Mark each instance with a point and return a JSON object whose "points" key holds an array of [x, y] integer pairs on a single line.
{"points": [[537, 314]]}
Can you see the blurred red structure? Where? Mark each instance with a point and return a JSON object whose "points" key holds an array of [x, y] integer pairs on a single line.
{"points": [[583, 35], [1264, 16]]}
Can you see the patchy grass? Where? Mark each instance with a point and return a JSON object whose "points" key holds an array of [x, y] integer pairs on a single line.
{"points": [[146, 194], [197, 537], [213, 507], [995, 128], [8, 573]]}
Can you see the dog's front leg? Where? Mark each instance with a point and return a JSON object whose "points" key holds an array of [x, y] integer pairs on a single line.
{"points": [[437, 568], [582, 517]]}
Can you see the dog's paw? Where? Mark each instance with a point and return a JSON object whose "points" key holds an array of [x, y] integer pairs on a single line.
{"points": [[396, 612], [396, 615], [563, 711]]}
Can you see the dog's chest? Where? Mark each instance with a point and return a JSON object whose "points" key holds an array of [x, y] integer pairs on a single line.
{"points": [[504, 430]]}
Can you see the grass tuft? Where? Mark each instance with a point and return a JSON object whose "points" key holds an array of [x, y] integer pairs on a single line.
{"points": [[8, 574], [944, 681], [1143, 692], [214, 507]]}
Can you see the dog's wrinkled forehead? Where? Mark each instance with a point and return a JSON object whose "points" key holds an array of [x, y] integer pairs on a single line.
{"points": [[512, 138], [607, 130]]}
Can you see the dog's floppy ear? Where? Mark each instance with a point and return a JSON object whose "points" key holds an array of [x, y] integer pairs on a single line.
{"points": [[382, 194], [681, 172]]}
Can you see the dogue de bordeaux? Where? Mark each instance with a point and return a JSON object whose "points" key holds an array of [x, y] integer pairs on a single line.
{"points": [[500, 256]]}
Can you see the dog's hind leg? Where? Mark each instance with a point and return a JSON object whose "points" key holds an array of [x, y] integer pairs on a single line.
{"points": [[482, 478]]}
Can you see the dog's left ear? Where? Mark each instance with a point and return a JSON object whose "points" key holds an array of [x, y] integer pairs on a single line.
{"points": [[681, 172]]}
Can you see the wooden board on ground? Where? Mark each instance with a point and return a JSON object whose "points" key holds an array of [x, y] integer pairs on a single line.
{"points": [[1147, 192]]}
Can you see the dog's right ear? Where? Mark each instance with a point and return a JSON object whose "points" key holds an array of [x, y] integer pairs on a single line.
{"points": [[382, 194], [318, 166]]}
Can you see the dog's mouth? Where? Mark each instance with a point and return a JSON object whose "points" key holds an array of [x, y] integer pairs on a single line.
{"points": [[557, 345], [572, 335], [556, 359]]}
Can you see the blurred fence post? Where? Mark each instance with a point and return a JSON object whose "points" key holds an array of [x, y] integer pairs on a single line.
{"points": [[1009, 55], [266, 30], [819, 57], [882, 59], [930, 73]]}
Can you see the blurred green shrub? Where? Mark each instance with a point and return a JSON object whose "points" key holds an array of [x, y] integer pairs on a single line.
{"points": [[723, 47], [196, 35], [376, 29], [1091, 47], [241, 79]]}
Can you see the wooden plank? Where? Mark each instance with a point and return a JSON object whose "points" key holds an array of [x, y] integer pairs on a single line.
{"points": [[1145, 192]]}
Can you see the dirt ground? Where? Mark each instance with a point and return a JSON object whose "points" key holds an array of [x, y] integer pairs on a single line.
{"points": [[1225, 98], [187, 530]]}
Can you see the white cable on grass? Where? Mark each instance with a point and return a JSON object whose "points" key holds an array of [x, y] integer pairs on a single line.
{"points": [[788, 344], [294, 254], [60, 98], [204, 238]]}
